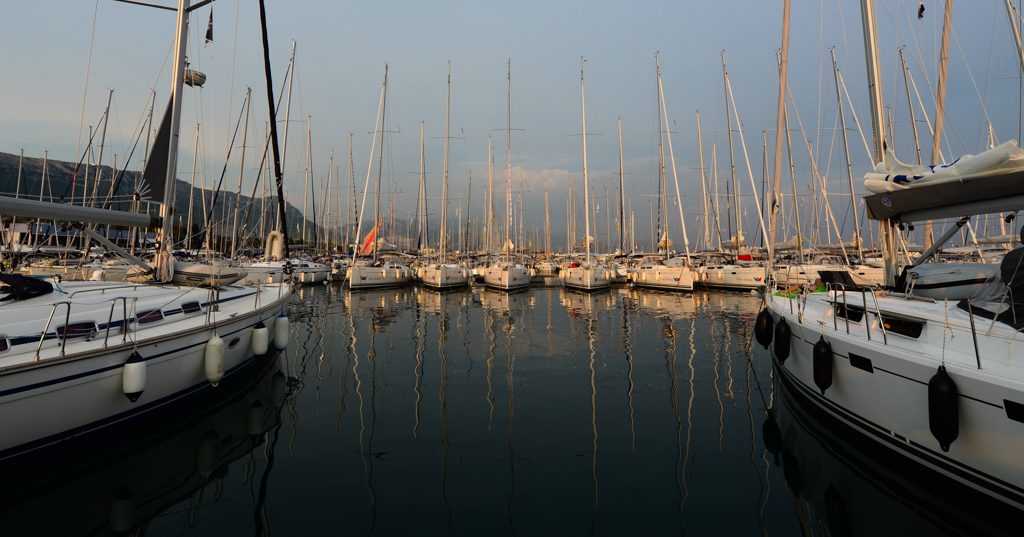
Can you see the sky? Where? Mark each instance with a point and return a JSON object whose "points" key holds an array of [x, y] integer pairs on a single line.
{"points": [[65, 63]]}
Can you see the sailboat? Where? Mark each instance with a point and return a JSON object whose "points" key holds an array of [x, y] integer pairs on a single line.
{"points": [[589, 275], [728, 270], [378, 271], [546, 268], [443, 274], [80, 357], [665, 271], [939, 382], [275, 267], [507, 274]]}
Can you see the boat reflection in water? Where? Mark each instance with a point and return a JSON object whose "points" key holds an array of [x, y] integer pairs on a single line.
{"points": [[855, 486], [128, 481]]}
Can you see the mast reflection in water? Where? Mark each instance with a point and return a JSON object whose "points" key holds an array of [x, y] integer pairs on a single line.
{"points": [[479, 412]]}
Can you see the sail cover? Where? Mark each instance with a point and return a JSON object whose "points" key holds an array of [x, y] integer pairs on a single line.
{"points": [[893, 175], [154, 177], [989, 182]]}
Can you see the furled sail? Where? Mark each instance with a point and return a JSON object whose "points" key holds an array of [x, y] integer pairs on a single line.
{"points": [[893, 175], [990, 182], [154, 177]]}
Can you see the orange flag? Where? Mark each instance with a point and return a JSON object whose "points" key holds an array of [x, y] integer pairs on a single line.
{"points": [[367, 245]]}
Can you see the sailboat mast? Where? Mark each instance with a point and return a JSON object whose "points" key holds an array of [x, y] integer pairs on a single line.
{"points": [[732, 162], [703, 185], [586, 183], [622, 198], [191, 191], [421, 199], [241, 170], [910, 105], [662, 195], [178, 79], [870, 27], [547, 222], [675, 176], [718, 199], [99, 159], [444, 180], [940, 101], [305, 189], [490, 194], [849, 167], [329, 226], [278, 179], [874, 80], [349, 209], [773, 207], [380, 158], [287, 117], [508, 154], [467, 238]]}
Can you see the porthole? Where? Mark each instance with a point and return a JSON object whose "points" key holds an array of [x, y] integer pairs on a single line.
{"points": [[191, 307], [903, 327], [853, 313], [149, 317], [76, 330]]}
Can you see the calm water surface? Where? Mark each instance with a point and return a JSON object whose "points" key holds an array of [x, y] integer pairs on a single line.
{"points": [[544, 412]]}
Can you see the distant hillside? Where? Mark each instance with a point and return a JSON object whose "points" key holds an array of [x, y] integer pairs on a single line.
{"points": [[60, 175]]}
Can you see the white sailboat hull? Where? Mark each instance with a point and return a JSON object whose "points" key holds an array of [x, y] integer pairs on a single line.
{"points": [[507, 276], [733, 276], [360, 277], [788, 276], [91, 271], [586, 278], [445, 276], [302, 273], [664, 277], [59, 397], [879, 382]]}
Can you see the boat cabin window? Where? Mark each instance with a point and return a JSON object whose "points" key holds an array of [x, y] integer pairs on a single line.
{"points": [[5, 345], [76, 330], [191, 307], [901, 326], [853, 313], [149, 317]]}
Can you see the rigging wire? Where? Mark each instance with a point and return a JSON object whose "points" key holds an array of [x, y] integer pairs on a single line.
{"points": [[85, 92]]}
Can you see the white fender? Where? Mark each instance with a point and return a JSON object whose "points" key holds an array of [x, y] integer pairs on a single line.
{"points": [[214, 359], [281, 332], [260, 339], [133, 376], [96, 276]]}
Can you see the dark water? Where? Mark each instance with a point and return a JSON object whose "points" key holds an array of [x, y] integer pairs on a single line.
{"points": [[544, 412]]}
